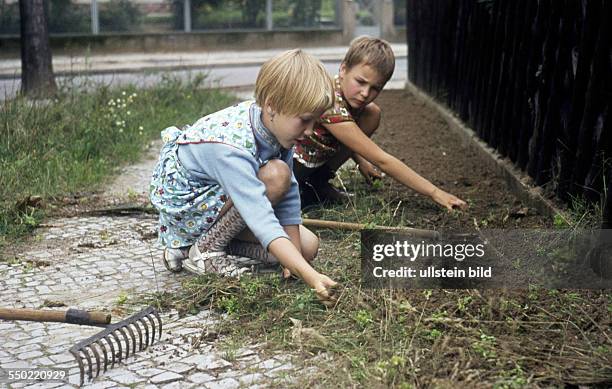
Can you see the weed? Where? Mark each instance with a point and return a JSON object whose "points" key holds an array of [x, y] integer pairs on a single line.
{"points": [[122, 298], [363, 318], [463, 302], [229, 349], [485, 346], [229, 304], [513, 379], [433, 334]]}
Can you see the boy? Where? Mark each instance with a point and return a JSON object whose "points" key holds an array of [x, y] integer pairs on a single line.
{"points": [[233, 169], [344, 131]]}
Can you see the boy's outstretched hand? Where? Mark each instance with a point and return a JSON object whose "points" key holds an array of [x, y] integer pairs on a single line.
{"points": [[448, 200], [370, 172]]}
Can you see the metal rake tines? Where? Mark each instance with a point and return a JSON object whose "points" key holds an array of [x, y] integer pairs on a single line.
{"points": [[117, 337]]}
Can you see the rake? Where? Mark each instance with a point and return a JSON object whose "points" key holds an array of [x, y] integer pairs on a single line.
{"points": [[119, 337], [110, 335]]}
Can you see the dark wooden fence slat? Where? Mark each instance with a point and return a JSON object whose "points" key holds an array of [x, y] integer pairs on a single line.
{"points": [[594, 102], [493, 73], [538, 28], [541, 98], [533, 78]]}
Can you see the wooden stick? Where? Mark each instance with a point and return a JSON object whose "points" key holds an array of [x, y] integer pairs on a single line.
{"points": [[335, 225], [72, 316]]}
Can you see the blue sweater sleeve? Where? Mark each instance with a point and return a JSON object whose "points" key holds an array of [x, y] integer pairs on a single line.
{"points": [[236, 171]]}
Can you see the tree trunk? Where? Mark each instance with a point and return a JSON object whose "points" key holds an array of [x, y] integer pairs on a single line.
{"points": [[37, 78]]}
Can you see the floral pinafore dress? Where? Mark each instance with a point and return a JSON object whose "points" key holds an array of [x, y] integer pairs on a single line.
{"points": [[187, 206]]}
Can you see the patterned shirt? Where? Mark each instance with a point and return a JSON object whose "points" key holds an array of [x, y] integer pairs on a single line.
{"points": [[317, 149]]}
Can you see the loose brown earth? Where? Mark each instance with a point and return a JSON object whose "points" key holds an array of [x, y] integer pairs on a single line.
{"points": [[418, 136]]}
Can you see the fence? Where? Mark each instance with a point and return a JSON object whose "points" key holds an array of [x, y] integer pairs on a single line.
{"points": [[103, 16], [531, 77]]}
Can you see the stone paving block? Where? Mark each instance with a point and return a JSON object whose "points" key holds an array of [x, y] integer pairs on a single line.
{"points": [[19, 336], [150, 372], [281, 370], [62, 357], [144, 364], [200, 378], [248, 361], [29, 355], [44, 385], [44, 361], [100, 384], [179, 367], [269, 364], [165, 378], [178, 385], [26, 348], [250, 379], [128, 378], [115, 372], [227, 383], [213, 363]]}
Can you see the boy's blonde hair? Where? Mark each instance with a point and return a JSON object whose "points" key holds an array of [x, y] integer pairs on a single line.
{"points": [[294, 82], [373, 52]]}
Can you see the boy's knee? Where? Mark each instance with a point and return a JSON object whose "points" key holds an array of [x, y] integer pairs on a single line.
{"points": [[276, 176]]}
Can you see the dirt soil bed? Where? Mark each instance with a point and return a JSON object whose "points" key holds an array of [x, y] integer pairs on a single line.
{"points": [[445, 338], [417, 135]]}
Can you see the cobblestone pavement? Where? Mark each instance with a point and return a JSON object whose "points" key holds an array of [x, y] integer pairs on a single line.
{"points": [[95, 263]]}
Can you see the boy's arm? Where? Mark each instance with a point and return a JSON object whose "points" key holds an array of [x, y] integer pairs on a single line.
{"points": [[349, 134]]}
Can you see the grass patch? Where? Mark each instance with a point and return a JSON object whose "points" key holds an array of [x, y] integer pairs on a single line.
{"points": [[409, 338], [75, 141]]}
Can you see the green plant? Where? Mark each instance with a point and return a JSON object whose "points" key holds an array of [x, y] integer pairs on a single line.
{"points": [[463, 303], [485, 346], [363, 318], [74, 142], [229, 304], [122, 298]]}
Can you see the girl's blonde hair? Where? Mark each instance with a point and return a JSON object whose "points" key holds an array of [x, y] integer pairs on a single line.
{"points": [[294, 82]]}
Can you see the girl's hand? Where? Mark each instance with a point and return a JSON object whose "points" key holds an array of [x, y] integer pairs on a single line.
{"points": [[326, 290], [369, 171], [447, 200]]}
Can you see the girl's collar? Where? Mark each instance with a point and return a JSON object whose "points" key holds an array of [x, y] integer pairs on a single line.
{"points": [[262, 131]]}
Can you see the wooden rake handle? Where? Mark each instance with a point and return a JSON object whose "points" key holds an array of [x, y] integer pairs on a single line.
{"points": [[72, 316], [334, 225]]}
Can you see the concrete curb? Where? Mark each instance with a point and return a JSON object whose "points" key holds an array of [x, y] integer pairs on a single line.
{"points": [[519, 184]]}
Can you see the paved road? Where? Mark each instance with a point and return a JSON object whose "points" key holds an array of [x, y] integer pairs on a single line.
{"points": [[223, 75]]}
